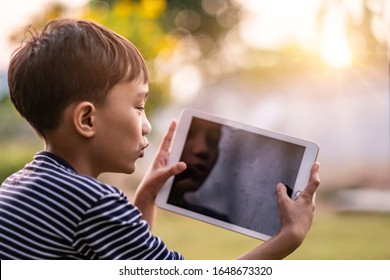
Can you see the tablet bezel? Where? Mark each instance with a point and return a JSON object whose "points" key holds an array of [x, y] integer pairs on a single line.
{"points": [[179, 138]]}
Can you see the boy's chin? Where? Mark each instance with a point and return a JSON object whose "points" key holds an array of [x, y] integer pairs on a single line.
{"points": [[129, 169]]}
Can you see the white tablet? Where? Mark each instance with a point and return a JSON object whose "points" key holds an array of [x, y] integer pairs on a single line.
{"points": [[232, 171]]}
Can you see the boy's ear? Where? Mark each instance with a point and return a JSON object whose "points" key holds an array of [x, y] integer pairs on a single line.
{"points": [[84, 119]]}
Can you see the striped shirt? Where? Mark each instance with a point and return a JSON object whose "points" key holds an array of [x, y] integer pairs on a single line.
{"points": [[48, 211]]}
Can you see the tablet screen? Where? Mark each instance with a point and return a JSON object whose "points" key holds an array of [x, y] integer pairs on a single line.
{"points": [[232, 173]]}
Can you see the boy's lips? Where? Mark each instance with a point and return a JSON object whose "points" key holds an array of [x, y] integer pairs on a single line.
{"points": [[142, 151]]}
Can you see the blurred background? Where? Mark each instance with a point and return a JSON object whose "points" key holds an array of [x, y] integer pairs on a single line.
{"points": [[314, 69]]}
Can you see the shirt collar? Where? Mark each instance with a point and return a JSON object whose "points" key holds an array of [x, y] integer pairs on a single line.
{"points": [[55, 158]]}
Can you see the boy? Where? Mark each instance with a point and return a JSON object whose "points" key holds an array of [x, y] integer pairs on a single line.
{"points": [[83, 89]]}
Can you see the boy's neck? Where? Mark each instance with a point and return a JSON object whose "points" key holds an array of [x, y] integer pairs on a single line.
{"points": [[71, 151]]}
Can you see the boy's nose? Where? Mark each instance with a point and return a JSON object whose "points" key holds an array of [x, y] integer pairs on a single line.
{"points": [[146, 126]]}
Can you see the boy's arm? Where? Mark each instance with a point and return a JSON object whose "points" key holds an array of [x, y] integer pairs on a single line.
{"points": [[157, 174], [296, 219]]}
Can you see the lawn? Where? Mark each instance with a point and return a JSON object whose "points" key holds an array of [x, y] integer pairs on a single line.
{"points": [[333, 236]]}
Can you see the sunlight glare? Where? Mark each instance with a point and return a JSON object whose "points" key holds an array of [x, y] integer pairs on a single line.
{"points": [[334, 48], [270, 24]]}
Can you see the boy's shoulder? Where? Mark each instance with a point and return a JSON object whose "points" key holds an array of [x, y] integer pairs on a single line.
{"points": [[49, 174]]}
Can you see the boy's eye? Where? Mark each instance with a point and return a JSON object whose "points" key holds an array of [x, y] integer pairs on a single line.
{"points": [[141, 108]]}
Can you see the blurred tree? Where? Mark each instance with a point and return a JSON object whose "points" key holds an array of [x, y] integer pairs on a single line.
{"points": [[173, 34], [155, 27], [161, 26]]}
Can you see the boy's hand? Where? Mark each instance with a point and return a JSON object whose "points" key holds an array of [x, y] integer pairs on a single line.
{"points": [[156, 176], [297, 215], [296, 218]]}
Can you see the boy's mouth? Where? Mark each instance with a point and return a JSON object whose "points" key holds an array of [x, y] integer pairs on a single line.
{"points": [[142, 152], [147, 144]]}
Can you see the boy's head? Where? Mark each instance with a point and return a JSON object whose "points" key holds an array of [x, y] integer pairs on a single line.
{"points": [[83, 88], [69, 61]]}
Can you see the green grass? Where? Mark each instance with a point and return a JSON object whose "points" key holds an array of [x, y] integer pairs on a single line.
{"points": [[332, 236], [348, 236]]}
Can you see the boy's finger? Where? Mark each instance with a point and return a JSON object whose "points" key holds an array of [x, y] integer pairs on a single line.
{"points": [[166, 142], [314, 180], [281, 191]]}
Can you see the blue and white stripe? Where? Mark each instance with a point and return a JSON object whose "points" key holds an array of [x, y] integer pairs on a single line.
{"points": [[48, 211]]}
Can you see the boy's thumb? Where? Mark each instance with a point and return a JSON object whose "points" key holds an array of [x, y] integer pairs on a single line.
{"points": [[281, 191], [164, 174], [176, 169]]}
